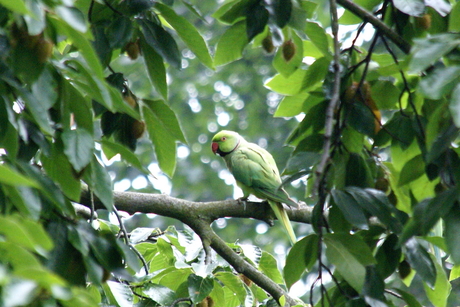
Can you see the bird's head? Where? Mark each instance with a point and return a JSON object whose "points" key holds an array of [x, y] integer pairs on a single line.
{"points": [[225, 142]]}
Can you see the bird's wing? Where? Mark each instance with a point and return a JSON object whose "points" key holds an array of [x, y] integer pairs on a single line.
{"points": [[255, 167]]}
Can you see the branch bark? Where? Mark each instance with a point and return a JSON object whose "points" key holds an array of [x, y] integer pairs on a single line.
{"points": [[199, 216]]}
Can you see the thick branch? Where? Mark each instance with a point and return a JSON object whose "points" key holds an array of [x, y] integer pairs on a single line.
{"points": [[182, 210], [377, 23], [199, 216]]}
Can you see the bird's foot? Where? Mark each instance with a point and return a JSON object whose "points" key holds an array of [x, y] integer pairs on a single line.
{"points": [[242, 201]]}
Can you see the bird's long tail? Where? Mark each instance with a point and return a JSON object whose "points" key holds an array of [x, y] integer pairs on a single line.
{"points": [[282, 216]]}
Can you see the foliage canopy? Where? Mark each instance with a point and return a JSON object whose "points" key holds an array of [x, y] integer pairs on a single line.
{"points": [[367, 102]]}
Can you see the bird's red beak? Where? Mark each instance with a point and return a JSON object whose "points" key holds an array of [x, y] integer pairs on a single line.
{"points": [[214, 147]]}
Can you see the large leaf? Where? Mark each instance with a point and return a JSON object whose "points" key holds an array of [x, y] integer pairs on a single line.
{"points": [[300, 259], [439, 293], [351, 210], [282, 12], [155, 68], [452, 233], [413, 169], [427, 51], [160, 40], [410, 7], [269, 267], [231, 44], [78, 147], [350, 255], [164, 131], [288, 66], [439, 82], [99, 182], [421, 261], [187, 33], [454, 104], [319, 38], [60, 170], [160, 294], [256, 20], [12, 177], [15, 6], [234, 283], [199, 287]]}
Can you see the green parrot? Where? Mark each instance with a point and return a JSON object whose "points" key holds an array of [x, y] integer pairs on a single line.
{"points": [[255, 172]]}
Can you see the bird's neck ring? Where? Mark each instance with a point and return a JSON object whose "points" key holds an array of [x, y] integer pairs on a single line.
{"points": [[224, 153]]}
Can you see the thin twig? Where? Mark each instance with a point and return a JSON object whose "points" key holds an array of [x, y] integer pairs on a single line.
{"points": [[333, 103], [377, 23]]}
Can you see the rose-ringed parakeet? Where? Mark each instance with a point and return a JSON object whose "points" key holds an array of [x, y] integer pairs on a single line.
{"points": [[255, 172]]}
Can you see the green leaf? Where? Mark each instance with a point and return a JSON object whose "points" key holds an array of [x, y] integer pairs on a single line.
{"points": [[269, 267], [413, 169], [187, 33], [256, 20], [13, 178], [318, 37], [350, 255], [452, 233], [316, 73], [11, 228], [97, 178], [59, 169], [234, 283], [282, 12], [454, 16], [421, 261], [121, 292], [301, 258], [17, 6], [160, 294], [439, 293], [427, 51], [455, 272], [286, 68], [388, 256], [374, 287], [111, 149], [385, 94], [78, 147], [231, 44], [83, 44], [73, 17], [350, 208], [291, 85], [160, 40], [231, 11], [376, 203], [439, 82], [18, 257], [454, 104], [199, 287], [164, 130], [410, 7], [291, 105], [155, 68]]}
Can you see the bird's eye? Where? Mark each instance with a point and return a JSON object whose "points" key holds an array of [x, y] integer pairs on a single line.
{"points": [[223, 138]]}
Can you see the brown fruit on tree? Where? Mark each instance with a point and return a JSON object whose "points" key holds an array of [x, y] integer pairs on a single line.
{"points": [[267, 44], [44, 49], [137, 129], [133, 50], [288, 49]]}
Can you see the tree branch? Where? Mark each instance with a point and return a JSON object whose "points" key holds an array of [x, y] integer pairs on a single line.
{"points": [[199, 216], [377, 23]]}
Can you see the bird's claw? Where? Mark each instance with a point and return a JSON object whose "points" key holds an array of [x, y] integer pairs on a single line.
{"points": [[242, 201]]}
